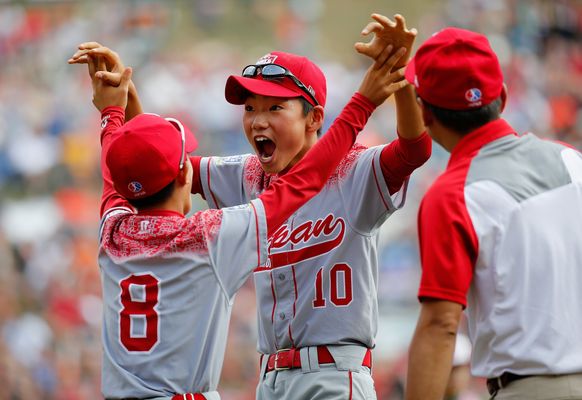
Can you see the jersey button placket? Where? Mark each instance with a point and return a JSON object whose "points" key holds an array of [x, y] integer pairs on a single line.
{"points": [[285, 298]]}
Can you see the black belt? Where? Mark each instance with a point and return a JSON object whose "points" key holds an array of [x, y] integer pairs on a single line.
{"points": [[494, 384]]}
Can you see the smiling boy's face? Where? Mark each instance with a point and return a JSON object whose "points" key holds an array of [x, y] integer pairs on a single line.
{"points": [[277, 129]]}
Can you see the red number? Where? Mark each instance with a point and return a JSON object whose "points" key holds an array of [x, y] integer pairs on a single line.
{"points": [[346, 294], [145, 307], [333, 274], [319, 301]]}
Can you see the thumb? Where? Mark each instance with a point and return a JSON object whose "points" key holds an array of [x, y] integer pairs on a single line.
{"points": [[111, 78], [365, 49], [126, 78]]}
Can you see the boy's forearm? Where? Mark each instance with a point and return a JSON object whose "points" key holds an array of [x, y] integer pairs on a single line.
{"points": [[408, 114], [111, 120], [133, 103]]}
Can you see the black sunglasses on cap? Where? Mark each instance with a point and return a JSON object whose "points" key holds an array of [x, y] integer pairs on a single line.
{"points": [[274, 71]]}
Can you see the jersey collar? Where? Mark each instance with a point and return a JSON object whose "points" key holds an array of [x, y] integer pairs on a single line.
{"points": [[165, 213], [473, 141]]}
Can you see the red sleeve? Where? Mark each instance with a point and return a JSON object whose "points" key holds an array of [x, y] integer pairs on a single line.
{"points": [[196, 182], [309, 175], [448, 243], [111, 119], [401, 157]]}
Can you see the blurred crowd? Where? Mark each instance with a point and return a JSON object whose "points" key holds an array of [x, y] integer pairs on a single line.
{"points": [[49, 157]]}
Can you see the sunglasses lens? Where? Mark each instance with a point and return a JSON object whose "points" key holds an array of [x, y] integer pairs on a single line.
{"points": [[249, 71], [273, 70]]}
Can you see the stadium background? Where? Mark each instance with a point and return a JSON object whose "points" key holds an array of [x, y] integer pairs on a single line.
{"points": [[182, 52]]}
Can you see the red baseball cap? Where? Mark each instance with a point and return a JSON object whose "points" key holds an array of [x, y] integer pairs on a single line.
{"points": [[456, 69], [310, 75], [147, 154]]}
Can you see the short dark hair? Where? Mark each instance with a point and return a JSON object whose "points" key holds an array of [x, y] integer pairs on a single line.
{"points": [[307, 108], [466, 121], [156, 198]]}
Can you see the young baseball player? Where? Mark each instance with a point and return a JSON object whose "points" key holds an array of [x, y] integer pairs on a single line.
{"points": [[500, 234], [169, 281], [316, 294]]}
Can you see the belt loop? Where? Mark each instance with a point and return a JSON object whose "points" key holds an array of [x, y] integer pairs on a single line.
{"points": [[313, 359], [304, 356], [263, 367]]}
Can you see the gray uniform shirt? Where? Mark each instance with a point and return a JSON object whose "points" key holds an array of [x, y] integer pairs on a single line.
{"points": [[319, 286], [168, 287]]}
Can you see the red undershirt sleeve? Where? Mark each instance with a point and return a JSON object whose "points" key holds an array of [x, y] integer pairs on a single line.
{"points": [[111, 119], [309, 175], [196, 182], [401, 157]]}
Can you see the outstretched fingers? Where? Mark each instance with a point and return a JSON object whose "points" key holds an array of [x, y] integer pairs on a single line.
{"points": [[396, 86], [384, 56], [81, 53], [391, 63], [384, 21]]}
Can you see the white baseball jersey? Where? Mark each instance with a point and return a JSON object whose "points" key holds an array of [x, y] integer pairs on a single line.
{"points": [[501, 232], [319, 286], [168, 287]]}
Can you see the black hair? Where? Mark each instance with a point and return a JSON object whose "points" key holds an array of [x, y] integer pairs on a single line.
{"points": [[307, 108], [466, 121], [157, 198]]}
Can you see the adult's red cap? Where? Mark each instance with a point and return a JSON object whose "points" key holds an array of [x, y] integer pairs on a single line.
{"points": [[147, 154], [238, 88], [456, 69]]}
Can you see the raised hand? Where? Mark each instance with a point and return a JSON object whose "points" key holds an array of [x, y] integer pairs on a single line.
{"points": [[387, 32], [106, 67], [101, 60], [105, 95], [383, 78]]}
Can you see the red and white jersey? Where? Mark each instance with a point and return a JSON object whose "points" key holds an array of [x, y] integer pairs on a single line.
{"points": [[319, 286], [155, 269], [501, 233]]}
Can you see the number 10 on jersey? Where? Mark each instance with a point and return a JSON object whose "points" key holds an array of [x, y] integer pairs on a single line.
{"points": [[340, 290]]}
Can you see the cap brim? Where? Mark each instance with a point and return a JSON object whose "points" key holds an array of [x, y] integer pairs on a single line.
{"points": [[410, 72], [238, 88]]}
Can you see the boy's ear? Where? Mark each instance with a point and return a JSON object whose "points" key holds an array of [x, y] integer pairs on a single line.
{"points": [[503, 97], [315, 119], [183, 177]]}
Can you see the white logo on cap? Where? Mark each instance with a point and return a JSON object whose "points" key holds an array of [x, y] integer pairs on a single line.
{"points": [[473, 96], [266, 59], [135, 186]]}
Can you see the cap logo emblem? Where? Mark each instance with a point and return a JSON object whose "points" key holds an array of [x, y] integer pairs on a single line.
{"points": [[473, 95], [135, 187], [266, 59]]}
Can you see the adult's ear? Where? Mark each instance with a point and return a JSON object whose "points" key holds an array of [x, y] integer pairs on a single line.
{"points": [[427, 117]]}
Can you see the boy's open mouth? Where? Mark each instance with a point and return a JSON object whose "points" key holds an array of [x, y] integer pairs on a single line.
{"points": [[265, 148]]}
